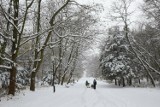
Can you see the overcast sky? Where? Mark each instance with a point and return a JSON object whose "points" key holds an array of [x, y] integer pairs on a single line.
{"points": [[135, 6]]}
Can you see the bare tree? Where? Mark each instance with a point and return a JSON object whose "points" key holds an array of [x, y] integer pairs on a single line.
{"points": [[39, 53], [12, 17]]}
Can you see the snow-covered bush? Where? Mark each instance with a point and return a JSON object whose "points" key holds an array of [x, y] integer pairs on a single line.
{"points": [[22, 78]]}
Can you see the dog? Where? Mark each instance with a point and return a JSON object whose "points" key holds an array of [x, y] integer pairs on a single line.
{"points": [[87, 84]]}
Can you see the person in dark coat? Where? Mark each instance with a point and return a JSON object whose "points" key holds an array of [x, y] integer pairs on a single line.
{"points": [[94, 84]]}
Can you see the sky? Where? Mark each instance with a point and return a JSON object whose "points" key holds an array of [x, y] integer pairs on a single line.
{"points": [[135, 6]]}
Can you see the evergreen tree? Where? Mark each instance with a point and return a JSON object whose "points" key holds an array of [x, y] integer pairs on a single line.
{"points": [[117, 62]]}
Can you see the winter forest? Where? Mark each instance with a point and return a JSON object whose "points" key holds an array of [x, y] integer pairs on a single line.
{"points": [[59, 43]]}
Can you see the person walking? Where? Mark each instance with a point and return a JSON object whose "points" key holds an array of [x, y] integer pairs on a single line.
{"points": [[94, 84]]}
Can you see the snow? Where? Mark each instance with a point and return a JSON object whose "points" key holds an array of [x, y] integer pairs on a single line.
{"points": [[37, 60], [77, 95], [34, 70]]}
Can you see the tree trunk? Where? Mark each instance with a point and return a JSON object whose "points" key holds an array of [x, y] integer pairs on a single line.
{"points": [[130, 81], [59, 78], [69, 78], [139, 81], [12, 85], [119, 82], [115, 81], [54, 76], [123, 82], [54, 88], [63, 78], [14, 50], [36, 53], [152, 80], [32, 86]]}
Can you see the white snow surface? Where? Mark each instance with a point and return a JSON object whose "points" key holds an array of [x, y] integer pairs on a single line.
{"points": [[77, 95]]}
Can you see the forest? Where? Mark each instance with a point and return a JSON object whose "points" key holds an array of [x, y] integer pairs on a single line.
{"points": [[44, 42]]}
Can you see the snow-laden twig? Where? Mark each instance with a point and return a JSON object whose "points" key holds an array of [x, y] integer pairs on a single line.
{"points": [[24, 52], [51, 44], [156, 71], [37, 60], [6, 67], [59, 34], [146, 52], [5, 36], [35, 36], [8, 19], [146, 63], [7, 59]]}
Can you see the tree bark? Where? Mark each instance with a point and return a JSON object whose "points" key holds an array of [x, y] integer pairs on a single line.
{"points": [[119, 82], [69, 80], [36, 53], [123, 81], [12, 85], [139, 81], [32, 86], [115, 81], [130, 81], [14, 50], [62, 81]]}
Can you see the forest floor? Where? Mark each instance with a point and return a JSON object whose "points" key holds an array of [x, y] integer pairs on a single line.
{"points": [[77, 95]]}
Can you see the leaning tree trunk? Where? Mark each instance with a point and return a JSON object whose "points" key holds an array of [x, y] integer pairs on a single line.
{"points": [[60, 61], [63, 78], [136, 54], [69, 62], [69, 80]]}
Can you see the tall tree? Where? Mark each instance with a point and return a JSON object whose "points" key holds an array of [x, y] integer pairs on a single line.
{"points": [[40, 52], [12, 17]]}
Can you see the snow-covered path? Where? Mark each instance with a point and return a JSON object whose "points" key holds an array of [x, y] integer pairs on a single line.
{"points": [[78, 95]]}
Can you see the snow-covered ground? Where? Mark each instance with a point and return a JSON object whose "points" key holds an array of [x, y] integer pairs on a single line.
{"points": [[77, 95]]}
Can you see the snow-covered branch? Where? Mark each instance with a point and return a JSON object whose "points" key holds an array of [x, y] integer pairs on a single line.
{"points": [[8, 19], [5, 36], [6, 67], [7, 59]]}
